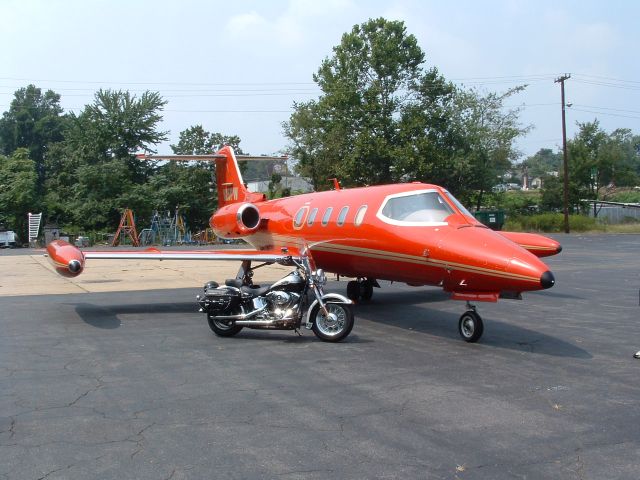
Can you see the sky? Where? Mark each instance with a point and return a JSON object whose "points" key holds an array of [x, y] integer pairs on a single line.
{"points": [[238, 67]]}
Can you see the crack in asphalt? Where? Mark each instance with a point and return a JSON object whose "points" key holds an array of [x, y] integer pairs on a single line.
{"points": [[54, 471], [141, 440], [302, 472]]}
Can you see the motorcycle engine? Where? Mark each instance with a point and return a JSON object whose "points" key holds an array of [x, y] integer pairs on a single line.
{"points": [[282, 304]]}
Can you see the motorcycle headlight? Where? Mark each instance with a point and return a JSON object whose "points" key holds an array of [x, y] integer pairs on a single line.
{"points": [[320, 277]]}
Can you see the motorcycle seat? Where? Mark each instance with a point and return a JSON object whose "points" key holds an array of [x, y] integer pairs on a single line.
{"points": [[233, 282], [255, 290]]}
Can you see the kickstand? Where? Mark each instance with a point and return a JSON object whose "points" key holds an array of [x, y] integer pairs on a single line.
{"points": [[297, 331]]}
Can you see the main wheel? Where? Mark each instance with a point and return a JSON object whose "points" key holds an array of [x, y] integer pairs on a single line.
{"points": [[220, 328], [470, 326], [366, 290], [335, 326], [353, 290]]}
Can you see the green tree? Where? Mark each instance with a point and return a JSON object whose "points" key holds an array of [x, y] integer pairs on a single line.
{"points": [[196, 140], [622, 151], [34, 121], [488, 131], [189, 186], [274, 185], [542, 162], [384, 117], [552, 193], [119, 125], [588, 169], [358, 127], [598, 161], [18, 187], [95, 171]]}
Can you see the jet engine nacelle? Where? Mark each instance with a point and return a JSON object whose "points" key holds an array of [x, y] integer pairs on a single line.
{"points": [[236, 220]]}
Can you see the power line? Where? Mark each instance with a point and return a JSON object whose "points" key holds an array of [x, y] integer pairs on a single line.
{"points": [[604, 113], [606, 108], [606, 78], [608, 84], [104, 82]]}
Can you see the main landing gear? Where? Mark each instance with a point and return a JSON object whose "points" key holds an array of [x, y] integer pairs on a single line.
{"points": [[470, 325], [361, 289]]}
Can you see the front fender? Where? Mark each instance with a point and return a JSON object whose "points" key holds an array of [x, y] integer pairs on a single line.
{"points": [[333, 298]]}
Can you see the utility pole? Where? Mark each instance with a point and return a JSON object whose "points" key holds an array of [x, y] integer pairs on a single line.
{"points": [[561, 80]]}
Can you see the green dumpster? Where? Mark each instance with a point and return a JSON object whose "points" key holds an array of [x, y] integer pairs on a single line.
{"points": [[494, 219]]}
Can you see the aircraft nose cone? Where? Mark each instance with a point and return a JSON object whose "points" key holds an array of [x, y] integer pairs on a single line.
{"points": [[547, 280]]}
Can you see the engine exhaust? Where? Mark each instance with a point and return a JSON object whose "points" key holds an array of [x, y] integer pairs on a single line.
{"points": [[243, 316]]}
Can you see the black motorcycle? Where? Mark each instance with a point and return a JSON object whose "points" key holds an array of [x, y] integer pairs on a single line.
{"points": [[281, 306]]}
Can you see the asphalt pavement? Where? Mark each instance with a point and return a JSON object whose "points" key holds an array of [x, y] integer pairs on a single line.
{"points": [[124, 385]]}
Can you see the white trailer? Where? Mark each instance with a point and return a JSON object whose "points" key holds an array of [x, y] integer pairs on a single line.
{"points": [[8, 239]]}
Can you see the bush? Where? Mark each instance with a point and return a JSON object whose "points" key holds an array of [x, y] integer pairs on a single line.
{"points": [[626, 197], [551, 222], [513, 202]]}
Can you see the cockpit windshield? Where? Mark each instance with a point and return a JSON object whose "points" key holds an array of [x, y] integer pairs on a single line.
{"points": [[421, 207], [457, 203]]}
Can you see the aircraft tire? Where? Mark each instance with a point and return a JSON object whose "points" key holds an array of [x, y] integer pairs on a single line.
{"points": [[332, 330], [353, 290], [470, 326], [366, 290], [221, 329]]}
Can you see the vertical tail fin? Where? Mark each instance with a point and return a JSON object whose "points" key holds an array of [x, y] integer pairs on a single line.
{"points": [[231, 188]]}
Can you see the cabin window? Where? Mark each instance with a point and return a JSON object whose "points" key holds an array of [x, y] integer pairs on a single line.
{"points": [[299, 218], [326, 216], [312, 216], [416, 208], [360, 215], [342, 216]]}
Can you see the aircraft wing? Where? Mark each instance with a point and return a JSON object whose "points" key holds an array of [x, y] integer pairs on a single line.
{"points": [[69, 260]]}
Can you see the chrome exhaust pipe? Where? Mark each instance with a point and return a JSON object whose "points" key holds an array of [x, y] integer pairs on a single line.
{"points": [[242, 316], [256, 323]]}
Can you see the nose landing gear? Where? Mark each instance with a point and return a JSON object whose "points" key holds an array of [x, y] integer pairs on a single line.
{"points": [[470, 325]]}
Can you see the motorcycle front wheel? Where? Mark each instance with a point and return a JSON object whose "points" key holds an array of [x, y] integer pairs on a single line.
{"points": [[335, 326], [221, 328]]}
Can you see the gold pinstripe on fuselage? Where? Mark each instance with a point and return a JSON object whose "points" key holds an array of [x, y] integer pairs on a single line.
{"points": [[331, 246]]}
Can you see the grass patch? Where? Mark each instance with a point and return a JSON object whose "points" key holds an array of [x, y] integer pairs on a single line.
{"points": [[554, 223], [551, 222]]}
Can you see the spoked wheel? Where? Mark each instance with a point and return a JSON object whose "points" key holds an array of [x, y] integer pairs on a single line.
{"points": [[221, 328], [335, 326], [470, 326]]}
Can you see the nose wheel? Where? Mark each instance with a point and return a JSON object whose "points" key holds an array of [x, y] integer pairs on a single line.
{"points": [[470, 326]]}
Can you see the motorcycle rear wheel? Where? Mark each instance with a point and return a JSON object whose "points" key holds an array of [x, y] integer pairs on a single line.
{"points": [[222, 329], [334, 327]]}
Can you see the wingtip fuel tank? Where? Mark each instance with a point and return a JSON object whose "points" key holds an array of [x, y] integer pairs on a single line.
{"points": [[67, 260]]}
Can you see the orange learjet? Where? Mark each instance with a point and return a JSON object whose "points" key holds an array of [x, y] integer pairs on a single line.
{"points": [[415, 233]]}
